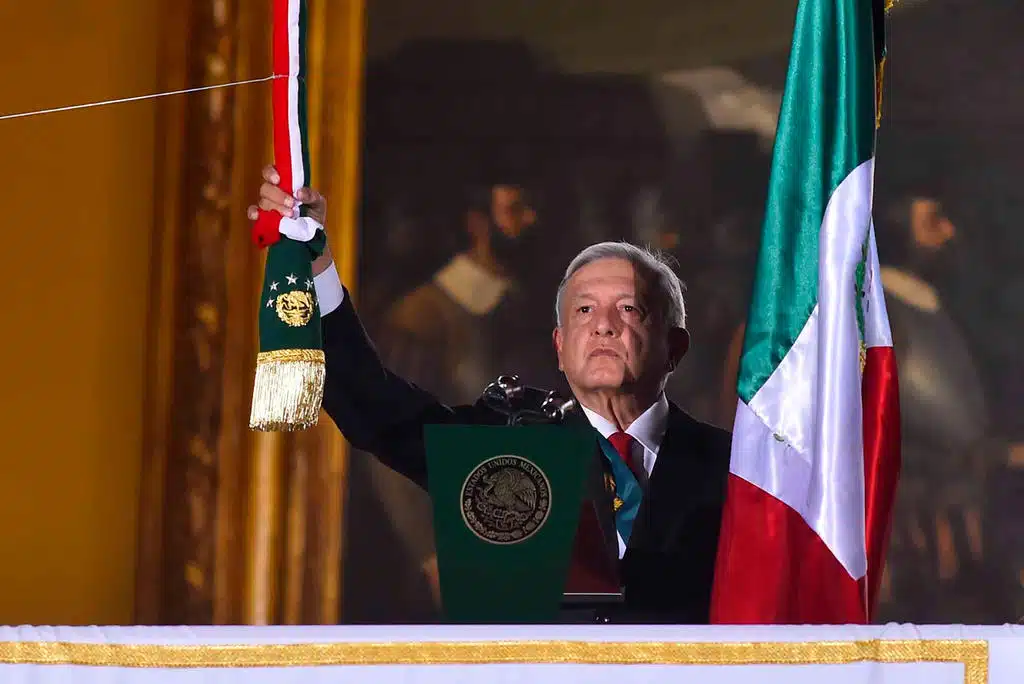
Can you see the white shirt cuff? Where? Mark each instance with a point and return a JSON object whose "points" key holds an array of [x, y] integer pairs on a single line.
{"points": [[329, 291]]}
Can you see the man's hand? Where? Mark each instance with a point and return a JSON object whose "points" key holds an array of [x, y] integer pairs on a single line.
{"points": [[273, 198]]}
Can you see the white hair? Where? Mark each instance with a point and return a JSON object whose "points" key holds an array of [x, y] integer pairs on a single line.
{"points": [[654, 267]]}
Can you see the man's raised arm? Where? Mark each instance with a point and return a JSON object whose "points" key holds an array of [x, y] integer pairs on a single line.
{"points": [[376, 410]]}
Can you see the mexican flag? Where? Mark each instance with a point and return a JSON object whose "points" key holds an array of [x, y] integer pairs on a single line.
{"points": [[290, 368], [815, 453]]}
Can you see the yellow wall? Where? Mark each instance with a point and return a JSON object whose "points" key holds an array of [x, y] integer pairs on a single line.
{"points": [[77, 219]]}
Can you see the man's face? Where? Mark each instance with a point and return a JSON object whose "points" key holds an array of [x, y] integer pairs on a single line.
{"points": [[931, 235], [508, 229], [931, 228], [510, 212], [610, 338]]}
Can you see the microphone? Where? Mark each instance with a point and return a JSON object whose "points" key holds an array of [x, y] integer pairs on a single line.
{"points": [[523, 404]]}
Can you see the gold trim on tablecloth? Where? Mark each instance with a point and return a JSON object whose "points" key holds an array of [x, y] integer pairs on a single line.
{"points": [[973, 654]]}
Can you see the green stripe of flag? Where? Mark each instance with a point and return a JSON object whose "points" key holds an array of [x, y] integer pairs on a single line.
{"points": [[826, 130]]}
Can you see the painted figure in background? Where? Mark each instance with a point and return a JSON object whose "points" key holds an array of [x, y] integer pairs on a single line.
{"points": [[446, 335], [436, 334], [939, 569]]}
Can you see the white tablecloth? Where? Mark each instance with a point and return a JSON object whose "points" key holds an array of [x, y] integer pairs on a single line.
{"points": [[596, 654]]}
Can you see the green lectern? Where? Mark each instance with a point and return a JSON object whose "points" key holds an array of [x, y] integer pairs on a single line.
{"points": [[507, 502]]}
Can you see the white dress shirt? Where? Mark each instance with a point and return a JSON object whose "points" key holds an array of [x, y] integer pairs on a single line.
{"points": [[647, 431], [329, 291]]}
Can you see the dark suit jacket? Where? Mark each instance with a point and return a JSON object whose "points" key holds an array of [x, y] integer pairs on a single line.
{"points": [[669, 563]]}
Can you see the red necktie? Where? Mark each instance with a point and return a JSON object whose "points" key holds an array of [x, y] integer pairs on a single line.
{"points": [[623, 443]]}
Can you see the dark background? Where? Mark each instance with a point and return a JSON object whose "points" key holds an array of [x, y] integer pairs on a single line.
{"points": [[652, 121]]}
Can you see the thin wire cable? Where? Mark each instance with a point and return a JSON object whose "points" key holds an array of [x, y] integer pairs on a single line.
{"points": [[38, 112]]}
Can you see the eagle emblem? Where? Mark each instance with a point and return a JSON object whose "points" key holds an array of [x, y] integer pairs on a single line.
{"points": [[295, 308], [506, 500]]}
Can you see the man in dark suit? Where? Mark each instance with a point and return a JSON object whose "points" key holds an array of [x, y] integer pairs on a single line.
{"points": [[620, 333]]}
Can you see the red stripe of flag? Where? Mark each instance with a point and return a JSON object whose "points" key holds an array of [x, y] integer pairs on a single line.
{"points": [[266, 230], [779, 570], [880, 399]]}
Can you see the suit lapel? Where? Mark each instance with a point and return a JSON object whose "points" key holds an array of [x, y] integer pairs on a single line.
{"points": [[676, 483], [672, 486], [596, 488]]}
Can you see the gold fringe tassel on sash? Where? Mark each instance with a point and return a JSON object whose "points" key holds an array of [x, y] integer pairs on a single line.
{"points": [[288, 391]]}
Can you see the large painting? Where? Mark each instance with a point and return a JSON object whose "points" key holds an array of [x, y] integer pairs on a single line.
{"points": [[501, 138]]}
